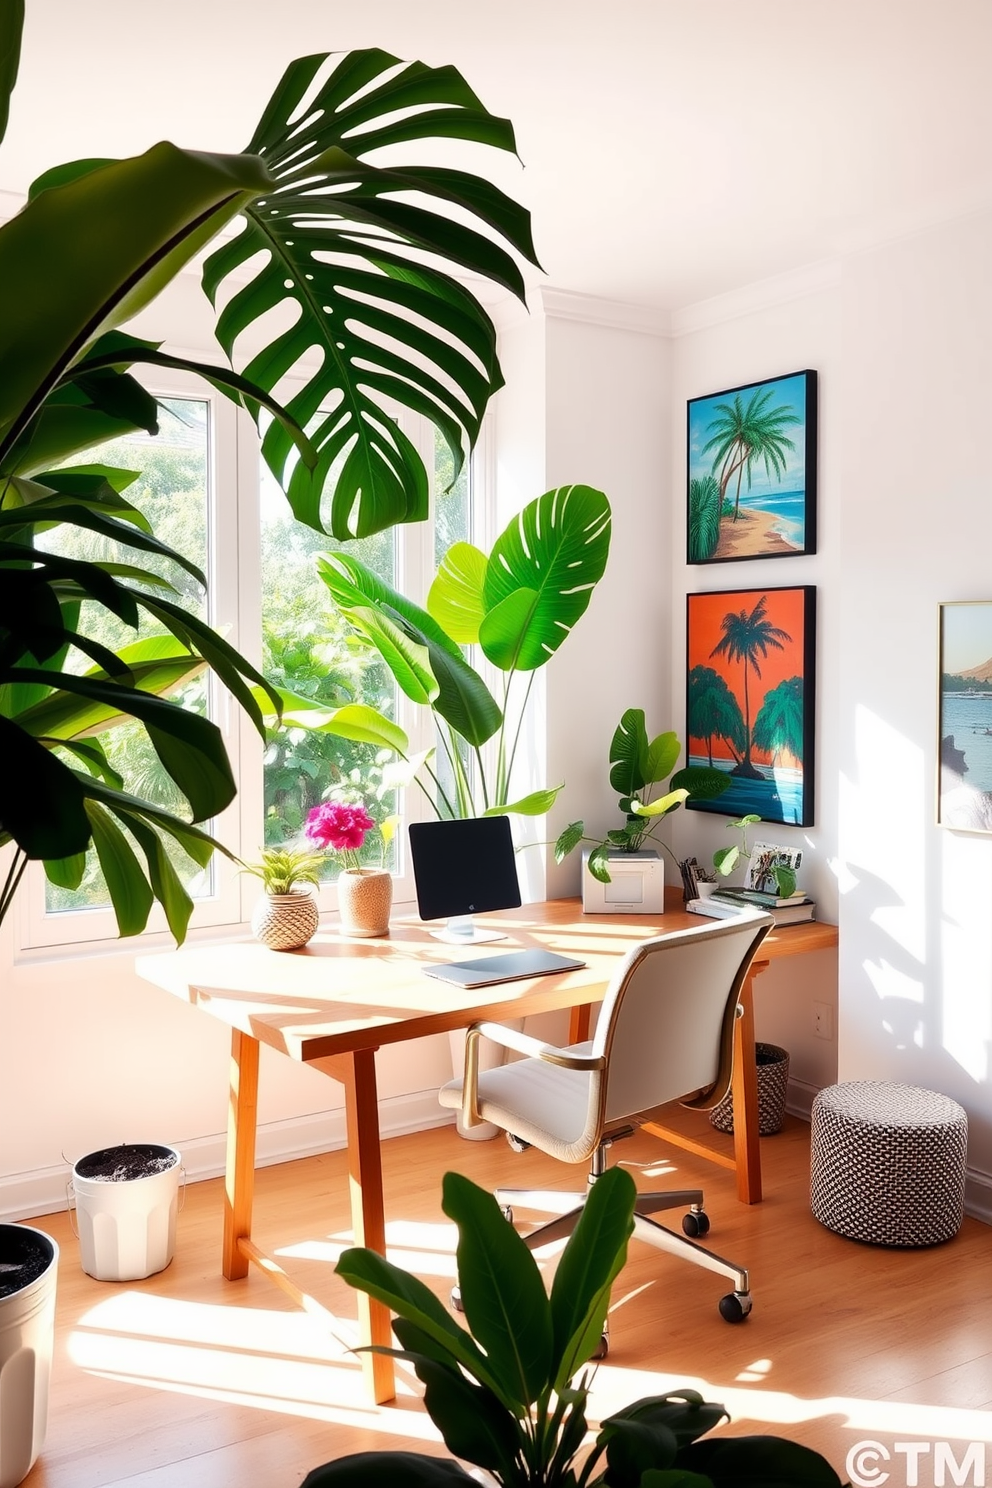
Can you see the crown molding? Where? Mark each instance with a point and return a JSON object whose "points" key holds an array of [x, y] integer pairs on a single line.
{"points": [[618, 315], [763, 294]]}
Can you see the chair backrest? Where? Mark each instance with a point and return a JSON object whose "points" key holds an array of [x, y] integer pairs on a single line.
{"points": [[666, 1025]]}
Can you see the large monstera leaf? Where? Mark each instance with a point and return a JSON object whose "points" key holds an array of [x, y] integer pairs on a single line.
{"points": [[541, 574], [352, 247]]}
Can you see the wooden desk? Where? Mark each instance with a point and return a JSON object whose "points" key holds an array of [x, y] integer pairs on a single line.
{"points": [[334, 1003]]}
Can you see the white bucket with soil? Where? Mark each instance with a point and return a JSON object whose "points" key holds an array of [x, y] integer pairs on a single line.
{"points": [[126, 1200], [28, 1272]]}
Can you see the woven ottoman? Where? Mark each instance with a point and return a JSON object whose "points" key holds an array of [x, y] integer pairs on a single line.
{"points": [[887, 1163]]}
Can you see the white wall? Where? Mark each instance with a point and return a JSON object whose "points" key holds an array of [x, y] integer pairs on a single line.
{"points": [[784, 326], [916, 927]]}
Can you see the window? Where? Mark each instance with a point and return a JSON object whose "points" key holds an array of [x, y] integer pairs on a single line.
{"points": [[208, 494]]}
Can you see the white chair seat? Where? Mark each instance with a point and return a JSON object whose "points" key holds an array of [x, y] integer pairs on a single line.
{"points": [[540, 1103]]}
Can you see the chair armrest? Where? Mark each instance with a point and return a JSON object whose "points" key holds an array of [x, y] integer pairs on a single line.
{"points": [[521, 1043]]}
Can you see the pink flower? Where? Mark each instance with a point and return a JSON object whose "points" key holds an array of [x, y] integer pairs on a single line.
{"points": [[335, 825]]}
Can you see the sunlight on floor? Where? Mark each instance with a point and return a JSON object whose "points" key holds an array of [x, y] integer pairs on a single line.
{"points": [[287, 1362], [615, 1387], [428, 1249]]}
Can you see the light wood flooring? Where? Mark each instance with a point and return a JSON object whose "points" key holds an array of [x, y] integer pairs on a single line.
{"points": [[186, 1379]]}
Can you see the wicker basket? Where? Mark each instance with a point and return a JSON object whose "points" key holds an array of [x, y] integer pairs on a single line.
{"points": [[773, 1083]]}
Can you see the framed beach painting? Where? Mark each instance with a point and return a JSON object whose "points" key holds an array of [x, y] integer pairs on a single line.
{"points": [[750, 676], [752, 471], [964, 771]]}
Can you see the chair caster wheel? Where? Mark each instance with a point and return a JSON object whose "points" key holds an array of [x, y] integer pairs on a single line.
{"points": [[695, 1224], [602, 1348], [735, 1306], [457, 1305], [507, 1213], [517, 1143]]}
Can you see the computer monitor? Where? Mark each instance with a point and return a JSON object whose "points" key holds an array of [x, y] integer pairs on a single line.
{"points": [[462, 868]]}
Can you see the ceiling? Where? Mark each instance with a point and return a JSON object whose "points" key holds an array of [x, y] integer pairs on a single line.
{"points": [[672, 149]]}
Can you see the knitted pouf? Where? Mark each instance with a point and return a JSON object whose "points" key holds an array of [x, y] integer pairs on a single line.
{"points": [[887, 1163]]}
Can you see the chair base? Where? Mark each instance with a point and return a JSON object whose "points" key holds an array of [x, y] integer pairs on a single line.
{"points": [[566, 1207]]}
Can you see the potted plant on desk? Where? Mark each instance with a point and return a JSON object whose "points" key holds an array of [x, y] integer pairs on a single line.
{"points": [[365, 892], [286, 917], [637, 765]]}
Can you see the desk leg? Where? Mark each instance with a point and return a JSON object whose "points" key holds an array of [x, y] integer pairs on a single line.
{"points": [[242, 1117], [747, 1152], [356, 1073]]}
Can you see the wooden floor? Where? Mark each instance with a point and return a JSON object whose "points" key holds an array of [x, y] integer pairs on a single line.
{"points": [[185, 1379]]}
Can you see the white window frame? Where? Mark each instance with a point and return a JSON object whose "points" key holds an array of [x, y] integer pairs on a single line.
{"points": [[234, 608]]}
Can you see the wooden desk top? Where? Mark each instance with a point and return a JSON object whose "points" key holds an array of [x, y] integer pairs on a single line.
{"points": [[338, 995]]}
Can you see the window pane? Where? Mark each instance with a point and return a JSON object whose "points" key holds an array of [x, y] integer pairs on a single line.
{"points": [[306, 649], [172, 491], [452, 523]]}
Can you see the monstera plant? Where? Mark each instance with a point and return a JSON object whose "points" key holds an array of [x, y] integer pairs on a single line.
{"points": [[517, 605], [357, 252]]}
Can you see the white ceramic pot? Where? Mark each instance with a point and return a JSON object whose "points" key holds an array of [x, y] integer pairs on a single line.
{"points": [[365, 897], [29, 1267], [126, 1225], [637, 884], [285, 922]]}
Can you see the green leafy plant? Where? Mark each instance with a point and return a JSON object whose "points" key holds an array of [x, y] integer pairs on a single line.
{"points": [[518, 605], [726, 859], [637, 765], [282, 869], [358, 252], [510, 1394]]}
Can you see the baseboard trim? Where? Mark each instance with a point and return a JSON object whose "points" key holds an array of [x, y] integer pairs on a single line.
{"points": [[42, 1191], [32, 1194]]}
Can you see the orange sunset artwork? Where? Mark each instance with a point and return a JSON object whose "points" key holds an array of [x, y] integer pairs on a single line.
{"points": [[750, 698]]}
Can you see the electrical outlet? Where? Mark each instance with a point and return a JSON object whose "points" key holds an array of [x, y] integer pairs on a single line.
{"points": [[822, 1020]]}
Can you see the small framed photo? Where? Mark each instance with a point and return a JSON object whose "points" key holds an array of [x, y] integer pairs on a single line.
{"points": [[765, 858], [964, 771], [750, 699], [751, 479]]}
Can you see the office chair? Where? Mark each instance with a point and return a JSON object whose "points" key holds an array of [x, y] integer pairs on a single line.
{"points": [[665, 1032]]}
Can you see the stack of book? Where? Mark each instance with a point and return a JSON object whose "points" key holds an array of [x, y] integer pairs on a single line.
{"points": [[787, 910]]}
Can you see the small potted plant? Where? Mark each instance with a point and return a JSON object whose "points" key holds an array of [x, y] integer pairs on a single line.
{"points": [[637, 766], [285, 917], [777, 869], [365, 892]]}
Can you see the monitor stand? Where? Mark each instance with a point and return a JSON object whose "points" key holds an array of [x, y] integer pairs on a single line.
{"points": [[462, 930]]}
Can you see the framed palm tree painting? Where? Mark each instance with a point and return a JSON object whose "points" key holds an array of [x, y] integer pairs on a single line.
{"points": [[750, 664], [752, 471]]}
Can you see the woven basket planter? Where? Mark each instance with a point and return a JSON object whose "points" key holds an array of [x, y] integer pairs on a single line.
{"points": [[365, 898], [773, 1085], [285, 922]]}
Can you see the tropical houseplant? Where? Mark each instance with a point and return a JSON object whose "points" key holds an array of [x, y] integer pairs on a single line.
{"points": [[517, 605], [509, 1394], [637, 765], [96, 241]]}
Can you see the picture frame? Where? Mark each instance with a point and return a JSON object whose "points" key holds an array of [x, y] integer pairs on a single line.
{"points": [[750, 699], [751, 471], [964, 715], [765, 858]]}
